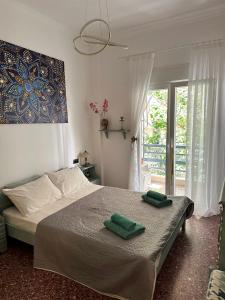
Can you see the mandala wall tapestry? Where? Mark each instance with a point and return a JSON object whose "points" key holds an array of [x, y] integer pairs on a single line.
{"points": [[32, 87]]}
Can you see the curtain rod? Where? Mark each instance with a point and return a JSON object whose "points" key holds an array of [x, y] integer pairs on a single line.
{"points": [[174, 48]]}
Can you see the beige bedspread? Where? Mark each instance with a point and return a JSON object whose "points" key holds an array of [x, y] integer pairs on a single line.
{"points": [[73, 242]]}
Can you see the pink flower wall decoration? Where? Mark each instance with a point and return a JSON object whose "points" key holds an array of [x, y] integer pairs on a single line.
{"points": [[104, 108]]}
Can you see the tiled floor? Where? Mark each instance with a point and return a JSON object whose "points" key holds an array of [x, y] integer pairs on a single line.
{"points": [[184, 275], [185, 272]]}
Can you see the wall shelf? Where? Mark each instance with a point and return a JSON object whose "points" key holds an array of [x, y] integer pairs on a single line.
{"points": [[122, 131]]}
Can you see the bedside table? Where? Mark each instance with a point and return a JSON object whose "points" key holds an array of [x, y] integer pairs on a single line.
{"points": [[3, 240], [90, 173]]}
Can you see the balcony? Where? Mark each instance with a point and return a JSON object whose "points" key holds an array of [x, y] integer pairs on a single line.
{"points": [[154, 167]]}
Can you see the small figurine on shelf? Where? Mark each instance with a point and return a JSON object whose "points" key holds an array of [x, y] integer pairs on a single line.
{"points": [[121, 121], [104, 124]]}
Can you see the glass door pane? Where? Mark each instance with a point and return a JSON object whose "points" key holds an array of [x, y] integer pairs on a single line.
{"points": [[181, 98], [154, 135]]}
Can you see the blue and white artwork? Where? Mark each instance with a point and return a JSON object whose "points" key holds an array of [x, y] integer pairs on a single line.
{"points": [[32, 87]]}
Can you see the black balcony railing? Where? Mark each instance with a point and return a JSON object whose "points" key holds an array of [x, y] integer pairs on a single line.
{"points": [[155, 156]]}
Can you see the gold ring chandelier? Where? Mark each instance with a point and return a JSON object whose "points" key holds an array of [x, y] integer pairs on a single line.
{"points": [[90, 39]]}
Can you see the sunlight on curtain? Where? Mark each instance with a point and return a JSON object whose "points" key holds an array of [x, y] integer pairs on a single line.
{"points": [[140, 71], [205, 128]]}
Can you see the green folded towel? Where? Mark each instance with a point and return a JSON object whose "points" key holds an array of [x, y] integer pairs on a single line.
{"points": [[157, 203], [123, 233], [123, 222], [156, 195]]}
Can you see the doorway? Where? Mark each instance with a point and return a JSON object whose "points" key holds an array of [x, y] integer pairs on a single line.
{"points": [[163, 136]]}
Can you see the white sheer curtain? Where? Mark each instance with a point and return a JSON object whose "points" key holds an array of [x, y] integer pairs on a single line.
{"points": [[206, 128], [140, 70]]}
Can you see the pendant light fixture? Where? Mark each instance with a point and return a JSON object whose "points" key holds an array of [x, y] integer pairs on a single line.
{"points": [[96, 41]]}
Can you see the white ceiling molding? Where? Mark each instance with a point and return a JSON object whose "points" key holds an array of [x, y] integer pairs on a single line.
{"points": [[182, 19]]}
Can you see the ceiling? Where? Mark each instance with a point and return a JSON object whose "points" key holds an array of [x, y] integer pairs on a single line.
{"points": [[123, 14]]}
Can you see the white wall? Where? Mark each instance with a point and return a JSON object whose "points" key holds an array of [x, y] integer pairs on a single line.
{"points": [[26, 150], [110, 80], [33, 149]]}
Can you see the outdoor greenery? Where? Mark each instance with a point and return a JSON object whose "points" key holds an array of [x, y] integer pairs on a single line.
{"points": [[155, 130]]}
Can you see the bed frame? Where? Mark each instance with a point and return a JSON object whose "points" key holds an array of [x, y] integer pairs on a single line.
{"points": [[12, 231], [29, 237]]}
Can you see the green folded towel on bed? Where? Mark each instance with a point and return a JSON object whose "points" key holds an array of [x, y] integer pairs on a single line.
{"points": [[155, 202], [123, 233], [123, 222], [156, 195]]}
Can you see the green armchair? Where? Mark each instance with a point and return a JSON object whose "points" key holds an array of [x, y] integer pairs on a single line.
{"points": [[216, 287]]}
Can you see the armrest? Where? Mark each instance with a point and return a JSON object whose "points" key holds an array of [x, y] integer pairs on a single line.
{"points": [[221, 240], [3, 240]]}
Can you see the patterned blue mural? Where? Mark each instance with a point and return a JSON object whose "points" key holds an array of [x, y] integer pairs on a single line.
{"points": [[32, 87]]}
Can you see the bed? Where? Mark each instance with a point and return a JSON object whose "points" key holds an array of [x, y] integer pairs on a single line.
{"points": [[24, 228], [70, 239]]}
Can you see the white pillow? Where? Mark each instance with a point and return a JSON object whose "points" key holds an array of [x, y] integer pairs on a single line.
{"points": [[32, 196], [68, 180]]}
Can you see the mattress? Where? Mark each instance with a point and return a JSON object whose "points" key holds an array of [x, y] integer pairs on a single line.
{"points": [[14, 218]]}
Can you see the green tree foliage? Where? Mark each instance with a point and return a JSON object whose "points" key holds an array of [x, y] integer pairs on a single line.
{"points": [[155, 124], [158, 118]]}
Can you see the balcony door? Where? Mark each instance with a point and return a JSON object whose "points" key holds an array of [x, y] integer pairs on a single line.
{"points": [[163, 134]]}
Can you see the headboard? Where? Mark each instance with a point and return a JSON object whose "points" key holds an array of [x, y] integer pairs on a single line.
{"points": [[4, 200]]}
